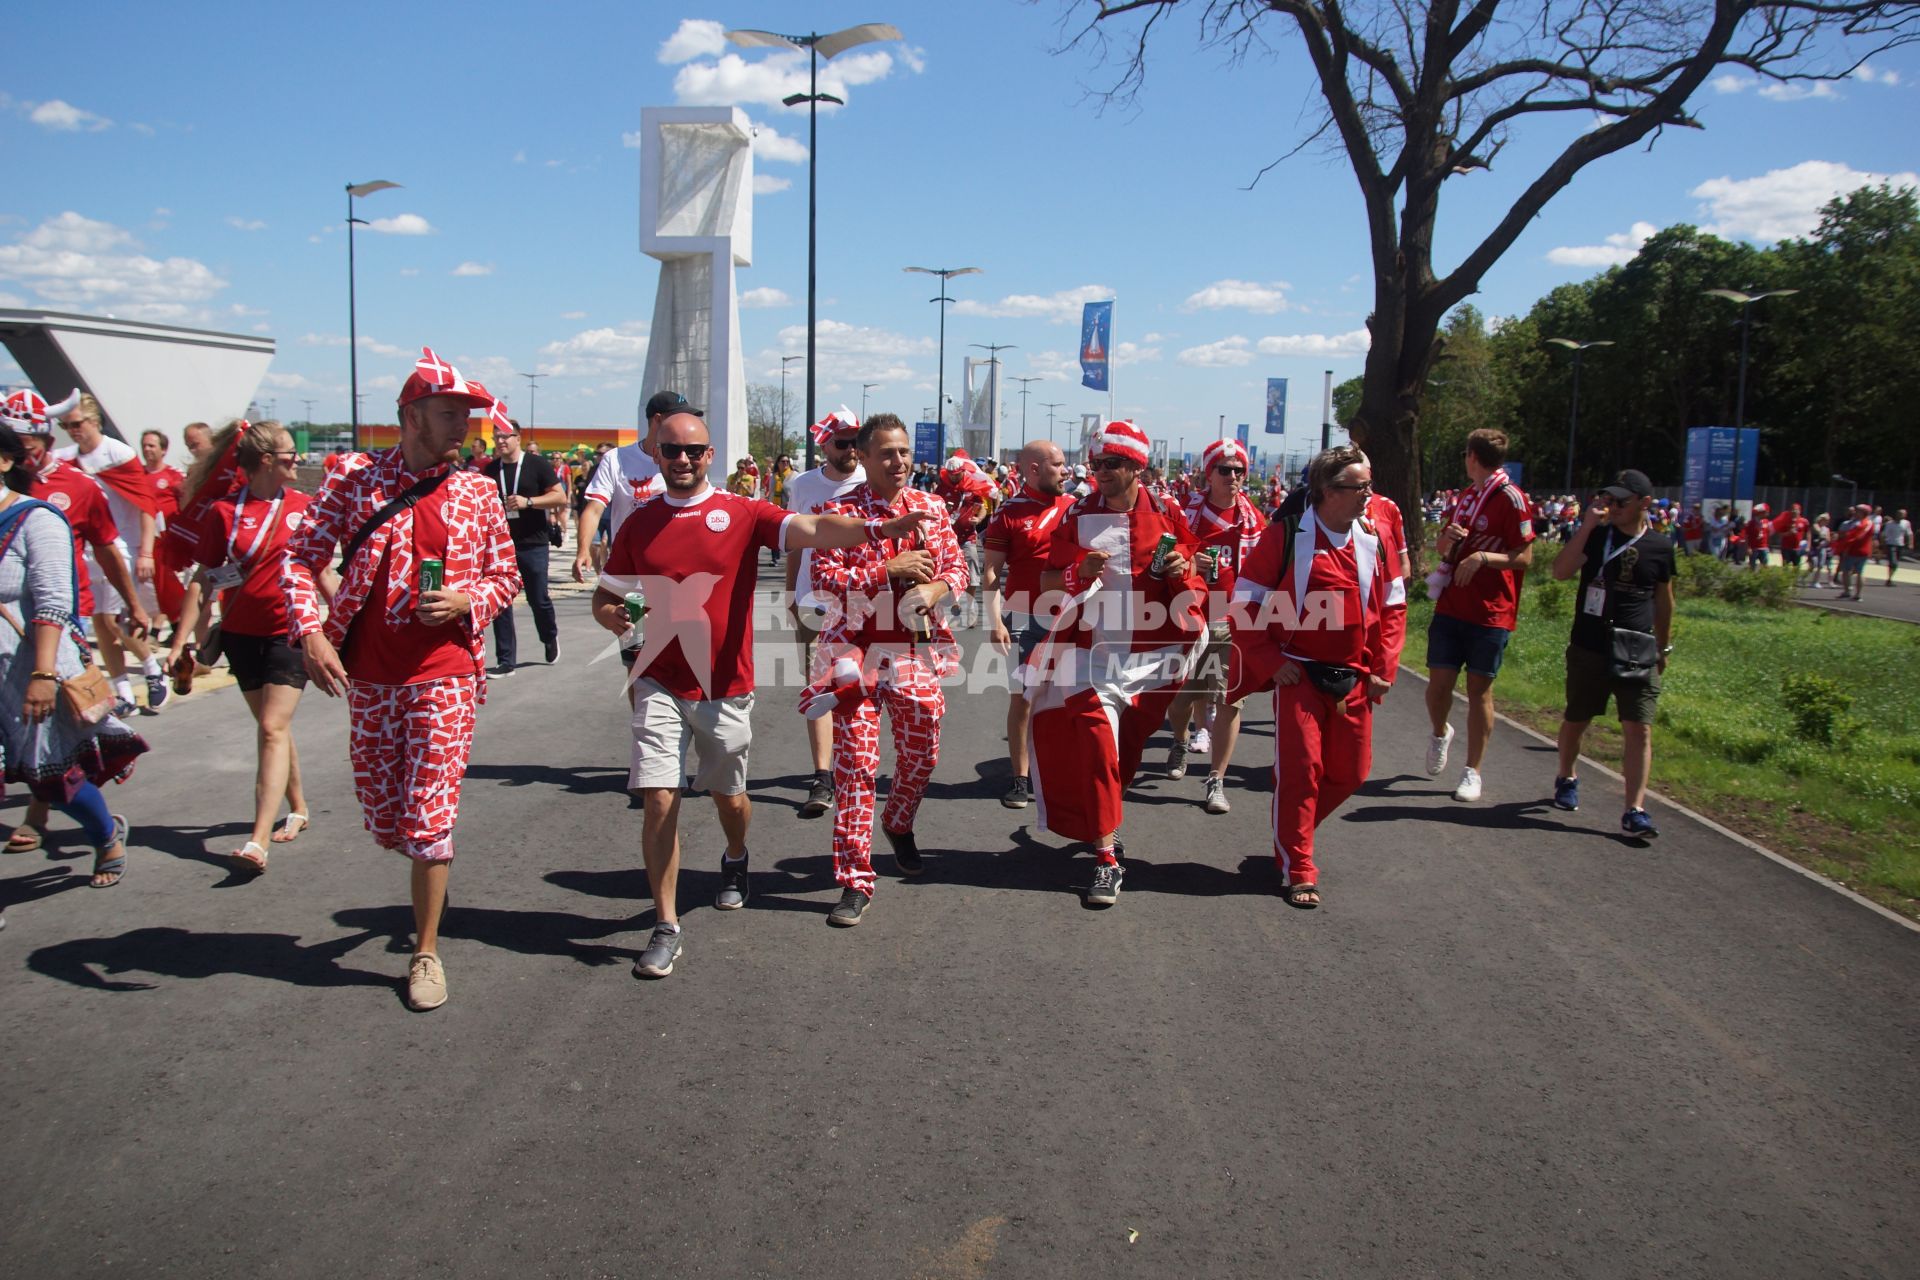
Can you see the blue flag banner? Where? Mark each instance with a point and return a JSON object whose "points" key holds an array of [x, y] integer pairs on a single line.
{"points": [[1240, 434], [1096, 335], [1276, 406]]}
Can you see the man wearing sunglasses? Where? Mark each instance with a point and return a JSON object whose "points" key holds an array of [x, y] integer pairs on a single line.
{"points": [[693, 553], [1101, 683], [838, 474]]}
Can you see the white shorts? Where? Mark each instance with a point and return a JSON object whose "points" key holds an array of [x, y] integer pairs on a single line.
{"points": [[664, 727], [106, 599]]}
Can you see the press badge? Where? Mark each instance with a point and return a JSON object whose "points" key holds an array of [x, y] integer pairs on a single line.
{"points": [[226, 577], [1595, 604]]}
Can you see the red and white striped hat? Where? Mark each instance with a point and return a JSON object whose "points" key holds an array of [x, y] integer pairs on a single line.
{"points": [[1122, 440], [28, 410], [1220, 449]]}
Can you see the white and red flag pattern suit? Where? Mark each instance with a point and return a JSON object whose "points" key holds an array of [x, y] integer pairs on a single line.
{"points": [[1101, 682], [409, 737], [900, 673], [1325, 599]]}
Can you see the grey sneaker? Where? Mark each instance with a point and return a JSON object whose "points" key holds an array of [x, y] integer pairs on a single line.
{"points": [[663, 948], [734, 890], [847, 912], [1216, 801], [1177, 761], [1106, 884], [1019, 795], [819, 796]]}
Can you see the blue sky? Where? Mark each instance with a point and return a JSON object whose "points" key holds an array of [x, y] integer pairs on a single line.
{"points": [[185, 164]]}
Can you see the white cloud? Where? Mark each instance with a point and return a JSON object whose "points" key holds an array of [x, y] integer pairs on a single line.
{"points": [[764, 297], [694, 38], [1061, 308], [288, 382], [573, 315], [520, 156], [64, 117], [631, 141], [1616, 252], [772, 145], [1782, 203], [70, 260], [246, 224], [474, 269], [1227, 353], [766, 184], [848, 354], [1868, 72], [372, 346], [1352, 343], [597, 352], [1127, 353], [1243, 295], [1795, 92], [405, 224], [733, 81], [1731, 82]]}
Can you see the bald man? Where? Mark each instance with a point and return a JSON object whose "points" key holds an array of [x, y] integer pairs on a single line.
{"points": [[1016, 543]]}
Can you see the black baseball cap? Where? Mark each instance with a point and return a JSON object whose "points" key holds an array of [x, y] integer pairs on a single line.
{"points": [[669, 402], [1630, 484]]}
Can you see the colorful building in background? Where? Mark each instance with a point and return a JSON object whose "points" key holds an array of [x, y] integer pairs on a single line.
{"points": [[551, 439]]}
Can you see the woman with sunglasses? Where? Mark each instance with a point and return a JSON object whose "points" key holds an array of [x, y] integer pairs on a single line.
{"points": [[240, 541]]}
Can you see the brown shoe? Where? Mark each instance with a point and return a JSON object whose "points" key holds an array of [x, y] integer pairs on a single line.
{"points": [[426, 983]]}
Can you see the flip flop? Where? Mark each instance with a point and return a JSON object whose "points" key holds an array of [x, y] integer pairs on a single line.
{"points": [[251, 857], [115, 867], [291, 828], [25, 839]]}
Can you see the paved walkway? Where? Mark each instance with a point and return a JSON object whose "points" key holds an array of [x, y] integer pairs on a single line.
{"points": [[1511, 1044], [1899, 602]]}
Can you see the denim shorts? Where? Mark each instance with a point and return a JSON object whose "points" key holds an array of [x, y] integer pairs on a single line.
{"points": [[1453, 644]]}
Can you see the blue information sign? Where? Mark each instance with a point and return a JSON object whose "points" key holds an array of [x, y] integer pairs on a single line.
{"points": [[928, 443], [1710, 466]]}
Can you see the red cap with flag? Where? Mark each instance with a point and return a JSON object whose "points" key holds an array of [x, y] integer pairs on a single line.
{"points": [[433, 376], [1231, 450], [833, 424], [1122, 440]]}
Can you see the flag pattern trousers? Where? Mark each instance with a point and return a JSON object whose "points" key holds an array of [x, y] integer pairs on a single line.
{"points": [[1321, 755], [915, 715], [409, 745]]}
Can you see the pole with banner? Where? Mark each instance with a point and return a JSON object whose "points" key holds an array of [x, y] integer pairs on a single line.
{"points": [[1096, 346]]}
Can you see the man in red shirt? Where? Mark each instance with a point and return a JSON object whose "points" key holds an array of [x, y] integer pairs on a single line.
{"points": [[1485, 546], [168, 593], [1015, 546], [1759, 534], [691, 553], [1134, 626], [408, 654], [1312, 610], [1791, 528]]}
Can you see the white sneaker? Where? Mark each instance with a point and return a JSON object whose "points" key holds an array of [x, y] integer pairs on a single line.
{"points": [[1469, 788], [1437, 753], [1199, 743]]}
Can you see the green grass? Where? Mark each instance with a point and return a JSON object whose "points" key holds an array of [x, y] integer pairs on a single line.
{"points": [[1727, 742]]}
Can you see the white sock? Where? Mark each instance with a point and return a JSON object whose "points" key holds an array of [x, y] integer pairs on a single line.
{"points": [[123, 685], [152, 665]]}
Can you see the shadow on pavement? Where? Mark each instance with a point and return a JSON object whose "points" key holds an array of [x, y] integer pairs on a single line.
{"points": [[41, 882], [588, 780], [191, 844], [182, 953], [534, 933], [699, 886]]}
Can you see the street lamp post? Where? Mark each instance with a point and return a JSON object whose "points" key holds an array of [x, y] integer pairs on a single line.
{"points": [[993, 351], [1746, 301], [940, 378], [864, 388], [1573, 423], [1024, 383], [782, 432], [817, 47], [1050, 407], [354, 191], [533, 386]]}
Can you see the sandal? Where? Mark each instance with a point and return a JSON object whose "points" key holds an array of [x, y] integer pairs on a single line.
{"points": [[251, 857], [25, 839], [291, 828], [1305, 896], [105, 866]]}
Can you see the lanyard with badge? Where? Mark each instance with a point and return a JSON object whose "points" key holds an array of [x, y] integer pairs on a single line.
{"points": [[1595, 603], [510, 487], [234, 571]]}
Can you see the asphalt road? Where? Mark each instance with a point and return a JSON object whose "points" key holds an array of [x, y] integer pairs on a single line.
{"points": [[1899, 600], [1511, 1044]]}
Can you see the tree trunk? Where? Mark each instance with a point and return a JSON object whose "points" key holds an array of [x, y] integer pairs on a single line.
{"points": [[1405, 341]]}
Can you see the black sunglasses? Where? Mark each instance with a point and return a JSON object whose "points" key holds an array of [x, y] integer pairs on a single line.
{"points": [[842, 442], [1111, 464], [1231, 471], [691, 452]]}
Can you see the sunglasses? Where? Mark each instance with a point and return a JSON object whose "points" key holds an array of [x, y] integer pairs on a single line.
{"points": [[1365, 486], [842, 442], [1231, 471], [1110, 464], [691, 452]]}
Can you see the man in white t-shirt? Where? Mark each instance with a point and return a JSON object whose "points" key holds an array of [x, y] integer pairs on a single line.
{"points": [[624, 478], [838, 473], [1896, 539], [117, 469]]}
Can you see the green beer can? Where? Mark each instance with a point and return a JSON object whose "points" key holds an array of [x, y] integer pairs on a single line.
{"points": [[433, 575], [636, 607], [1161, 550]]}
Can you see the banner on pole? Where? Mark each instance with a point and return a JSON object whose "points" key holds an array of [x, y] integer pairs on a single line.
{"points": [[1276, 406], [1096, 335], [1710, 471], [1240, 434], [927, 444]]}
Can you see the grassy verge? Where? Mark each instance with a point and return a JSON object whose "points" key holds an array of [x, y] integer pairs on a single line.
{"points": [[1795, 727]]}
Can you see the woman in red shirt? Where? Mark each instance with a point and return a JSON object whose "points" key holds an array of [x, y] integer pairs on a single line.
{"points": [[240, 541]]}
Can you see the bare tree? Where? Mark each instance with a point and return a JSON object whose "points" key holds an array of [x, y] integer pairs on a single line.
{"points": [[1419, 95]]}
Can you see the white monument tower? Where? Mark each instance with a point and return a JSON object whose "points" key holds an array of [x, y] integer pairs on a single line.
{"points": [[696, 217]]}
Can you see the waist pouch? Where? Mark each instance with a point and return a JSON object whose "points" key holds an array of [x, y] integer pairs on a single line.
{"points": [[1335, 682], [1634, 655]]}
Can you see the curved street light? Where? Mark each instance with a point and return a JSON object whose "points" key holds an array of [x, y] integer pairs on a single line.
{"points": [[940, 378], [354, 191], [1573, 424], [1746, 301], [1025, 383]]}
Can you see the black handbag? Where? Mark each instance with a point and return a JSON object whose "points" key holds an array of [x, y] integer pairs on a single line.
{"points": [[1334, 681], [1634, 655]]}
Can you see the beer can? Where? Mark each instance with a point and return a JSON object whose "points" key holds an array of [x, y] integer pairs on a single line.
{"points": [[636, 606], [433, 575], [1210, 562], [1161, 550]]}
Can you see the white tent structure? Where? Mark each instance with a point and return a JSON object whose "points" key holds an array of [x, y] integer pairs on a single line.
{"points": [[143, 375]]}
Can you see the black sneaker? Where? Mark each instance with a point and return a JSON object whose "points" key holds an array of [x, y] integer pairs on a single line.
{"points": [[663, 948], [819, 796], [846, 913], [500, 673], [553, 651], [906, 853], [1106, 884], [1019, 795], [156, 691], [734, 890]]}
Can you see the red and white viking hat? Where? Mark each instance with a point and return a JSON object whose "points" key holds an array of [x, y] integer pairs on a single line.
{"points": [[1122, 440], [833, 424], [433, 376], [1219, 449], [958, 462], [27, 410]]}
